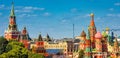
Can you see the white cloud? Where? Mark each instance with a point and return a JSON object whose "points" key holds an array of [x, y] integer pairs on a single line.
{"points": [[28, 9], [117, 4], [27, 15], [2, 6], [63, 21], [33, 8], [36, 8], [98, 18], [23, 10], [86, 15], [74, 10], [0, 14], [46, 14], [111, 9], [118, 15], [113, 15]]}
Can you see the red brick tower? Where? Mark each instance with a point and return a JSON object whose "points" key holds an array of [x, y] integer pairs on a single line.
{"points": [[12, 33], [24, 38], [39, 48]]}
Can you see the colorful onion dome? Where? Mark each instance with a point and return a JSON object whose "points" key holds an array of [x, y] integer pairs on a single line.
{"points": [[98, 35], [104, 34]]}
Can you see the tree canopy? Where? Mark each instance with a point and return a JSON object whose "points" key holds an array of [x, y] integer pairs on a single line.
{"points": [[3, 44], [16, 49], [81, 54]]}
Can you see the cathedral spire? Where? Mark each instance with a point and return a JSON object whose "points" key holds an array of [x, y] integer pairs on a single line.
{"points": [[12, 31], [12, 14], [92, 20], [40, 37], [48, 38], [92, 30]]}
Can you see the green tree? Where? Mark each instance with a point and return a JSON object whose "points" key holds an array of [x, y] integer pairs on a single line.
{"points": [[34, 55], [81, 54], [16, 49], [3, 44], [13, 44]]}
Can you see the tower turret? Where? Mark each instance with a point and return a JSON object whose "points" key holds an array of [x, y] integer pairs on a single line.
{"points": [[12, 33], [12, 22], [25, 35], [82, 40], [48, 38], [92, 30], [88, 47], [40, 38]]}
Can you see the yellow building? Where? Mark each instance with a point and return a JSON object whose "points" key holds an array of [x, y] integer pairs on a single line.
{"points": [[56, 45]]}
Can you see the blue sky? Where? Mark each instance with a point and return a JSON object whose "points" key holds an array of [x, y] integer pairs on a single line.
{"points": [[56, 17]]}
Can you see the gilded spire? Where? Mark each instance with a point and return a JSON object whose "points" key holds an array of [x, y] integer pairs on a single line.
{"points": [[92, 20], [12, 14]]}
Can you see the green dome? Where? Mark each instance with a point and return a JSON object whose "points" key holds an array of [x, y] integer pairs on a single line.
{"points": [[104, 34]]}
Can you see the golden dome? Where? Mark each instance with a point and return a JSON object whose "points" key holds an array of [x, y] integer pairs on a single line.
{"points": [[107, 29], [92, 14]]}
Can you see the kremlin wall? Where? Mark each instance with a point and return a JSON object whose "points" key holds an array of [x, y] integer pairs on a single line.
{"points": [[95, 44]]}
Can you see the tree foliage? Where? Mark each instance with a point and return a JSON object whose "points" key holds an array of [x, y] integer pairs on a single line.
{"points": [[13, 44], [16, 49], [3, 44], [81, 54], [35, 55]]}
